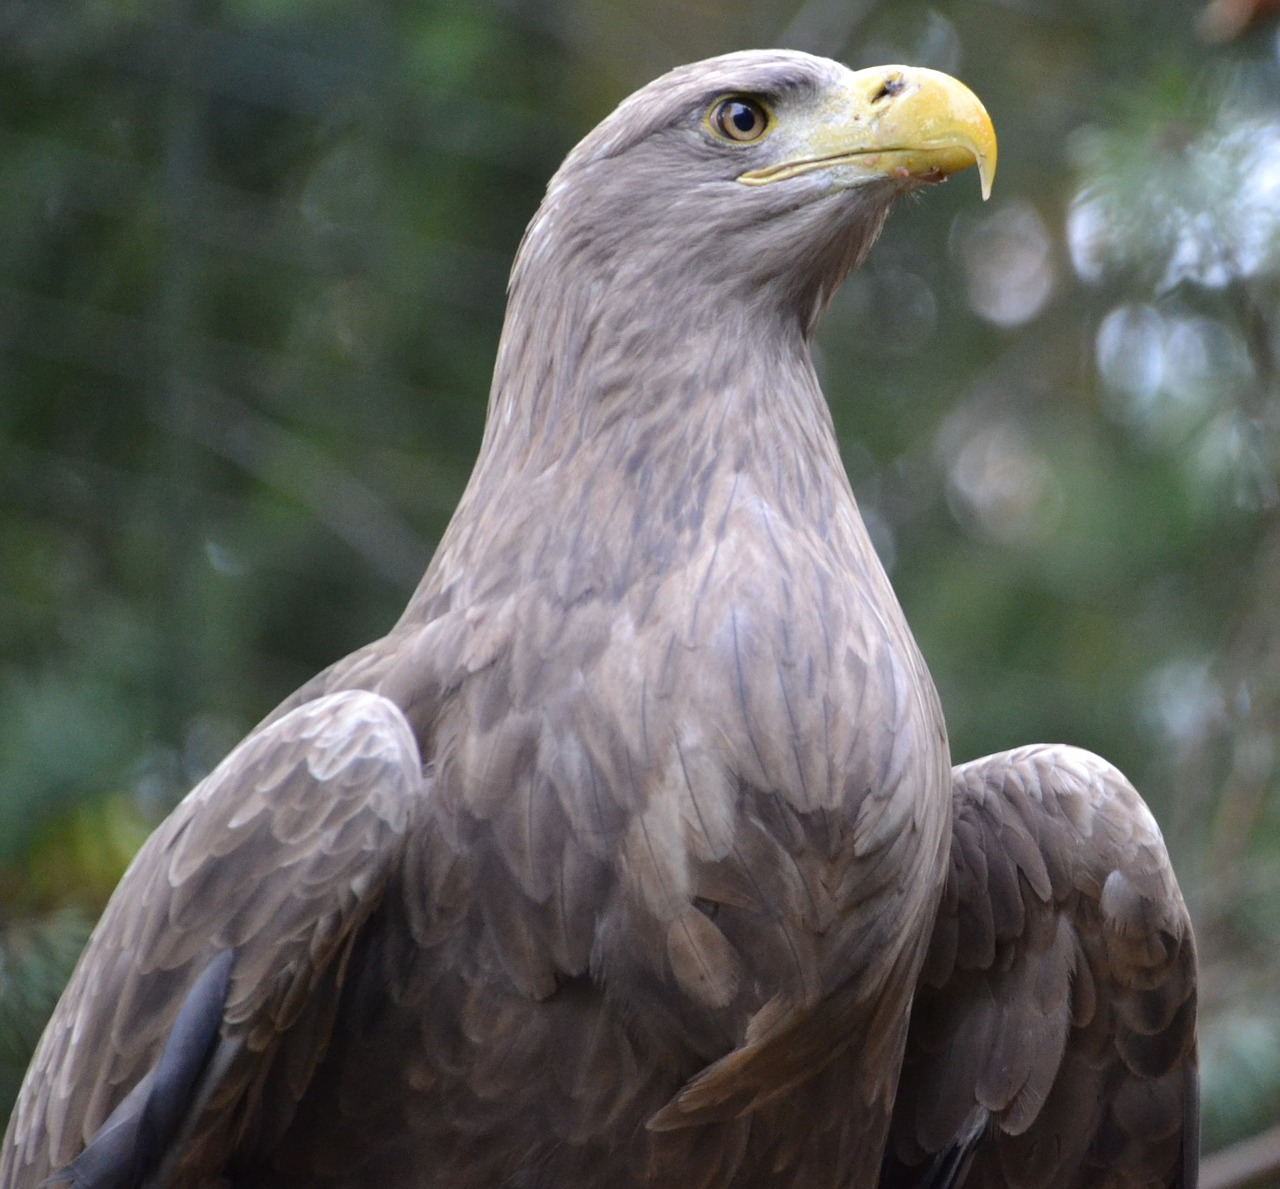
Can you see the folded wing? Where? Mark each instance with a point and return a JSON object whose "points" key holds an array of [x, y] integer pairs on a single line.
{"points": [[204, 999], [1053, 1037]]}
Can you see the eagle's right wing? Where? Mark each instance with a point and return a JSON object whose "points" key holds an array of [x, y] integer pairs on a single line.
{"points": [[209, 987]]}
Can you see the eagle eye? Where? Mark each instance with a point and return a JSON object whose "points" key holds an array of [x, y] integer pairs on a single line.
{"points": [[738, 118]]}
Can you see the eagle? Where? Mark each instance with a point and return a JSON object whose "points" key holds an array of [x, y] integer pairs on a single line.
{"points": [[633, 855]]}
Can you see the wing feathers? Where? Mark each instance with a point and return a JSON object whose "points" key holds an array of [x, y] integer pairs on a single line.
{"points": [[1059, 991], [130, 1144], [232, 924]]}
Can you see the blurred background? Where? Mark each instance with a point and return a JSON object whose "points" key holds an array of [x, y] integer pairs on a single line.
{"points": [[251, 284]]}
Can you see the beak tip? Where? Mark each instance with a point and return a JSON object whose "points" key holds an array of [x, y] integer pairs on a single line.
{"points": [[986, 163]]}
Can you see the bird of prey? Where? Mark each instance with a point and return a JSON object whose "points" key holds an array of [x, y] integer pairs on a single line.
{"points": [[633, 855]]}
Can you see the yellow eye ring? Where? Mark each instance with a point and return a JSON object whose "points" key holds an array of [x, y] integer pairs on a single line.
{"points": [[738, 118]]}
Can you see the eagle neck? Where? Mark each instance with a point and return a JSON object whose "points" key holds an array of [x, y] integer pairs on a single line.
{"points": [[623, 365], [624, 399]]}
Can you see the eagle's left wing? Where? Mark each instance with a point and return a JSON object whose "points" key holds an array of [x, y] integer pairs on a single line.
{"points": [[1053, 1036]]}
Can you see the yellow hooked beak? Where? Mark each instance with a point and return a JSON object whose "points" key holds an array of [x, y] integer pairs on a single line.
{"points": [[889, 121]]}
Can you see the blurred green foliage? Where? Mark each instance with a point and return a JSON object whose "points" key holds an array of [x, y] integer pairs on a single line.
{"points": [[251, 284]]}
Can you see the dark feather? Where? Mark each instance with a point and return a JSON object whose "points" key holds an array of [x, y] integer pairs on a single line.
{"points": [[130, 1145]]}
